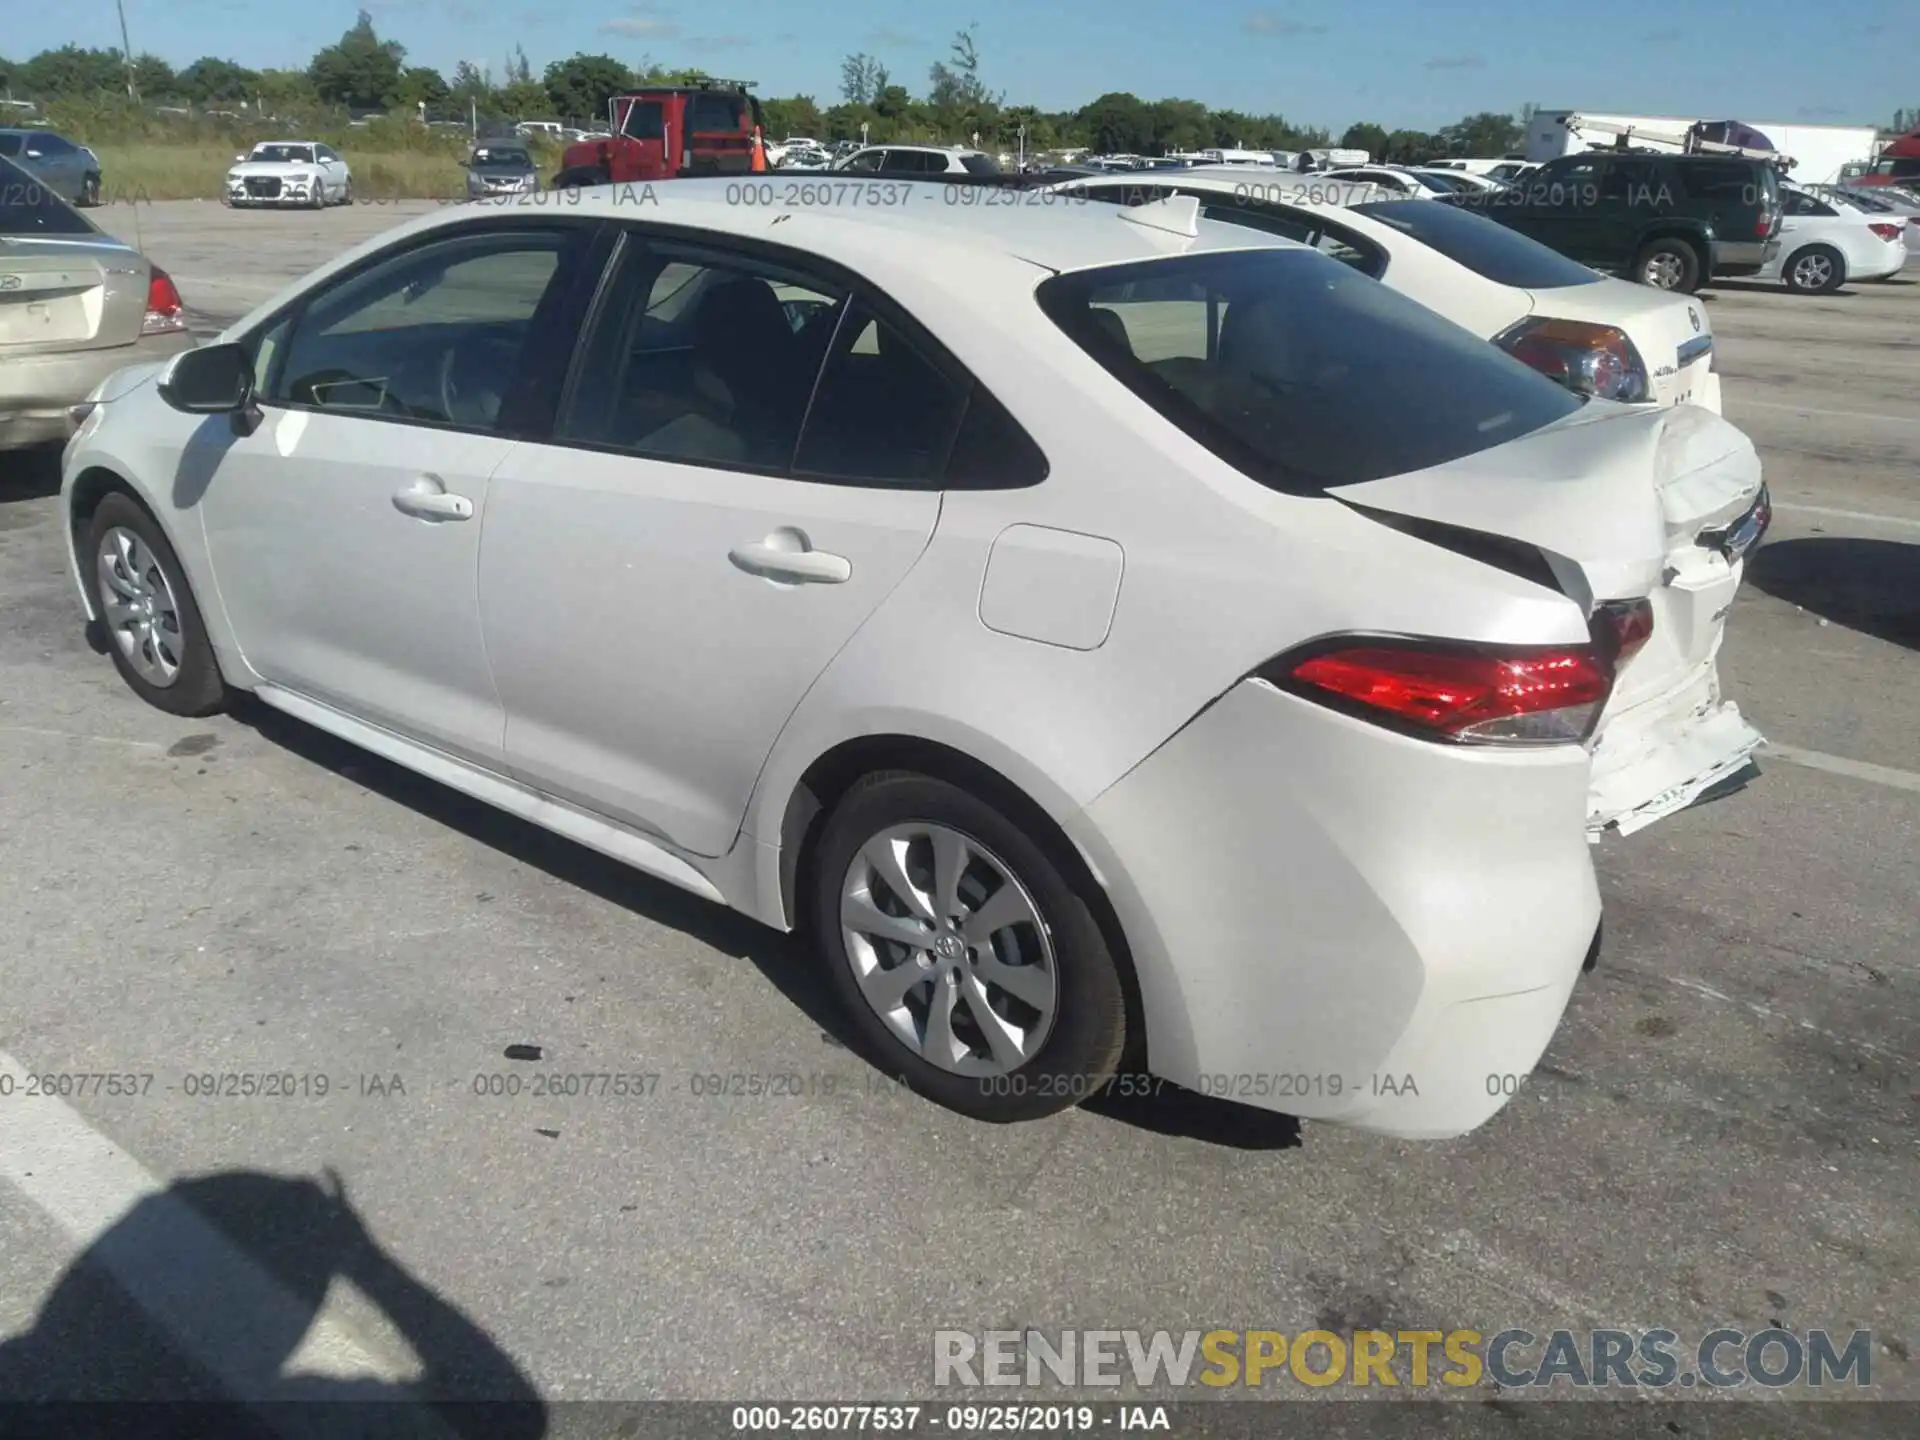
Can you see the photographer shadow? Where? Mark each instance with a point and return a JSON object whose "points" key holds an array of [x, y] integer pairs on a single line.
{"points": [[181, 1319]]}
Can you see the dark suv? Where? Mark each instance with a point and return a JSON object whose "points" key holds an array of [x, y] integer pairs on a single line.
{"points": [[1670, 221]]}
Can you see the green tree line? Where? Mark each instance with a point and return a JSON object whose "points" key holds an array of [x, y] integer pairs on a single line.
{"points": [[364, 73]]}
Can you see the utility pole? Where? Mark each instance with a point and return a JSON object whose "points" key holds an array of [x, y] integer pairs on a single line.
{"points": [[126, 51]]}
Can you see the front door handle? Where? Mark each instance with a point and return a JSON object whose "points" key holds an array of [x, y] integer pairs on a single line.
{"points": [[428, 499], [787, 555]]}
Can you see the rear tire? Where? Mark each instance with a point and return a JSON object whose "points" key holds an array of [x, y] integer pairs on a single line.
{"points": [[151, 621], [1668, 264], [1815, 270], [1054, 1033], [89, 195]]}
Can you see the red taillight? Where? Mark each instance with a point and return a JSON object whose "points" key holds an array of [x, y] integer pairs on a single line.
{"points": [[1887, 232], [1592, 359], [165, 312], [1623, 627], [1763, 227], [1533, 695]]}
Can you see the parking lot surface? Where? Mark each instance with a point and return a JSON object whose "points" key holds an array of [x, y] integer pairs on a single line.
{"points": [[1725, 1132]]}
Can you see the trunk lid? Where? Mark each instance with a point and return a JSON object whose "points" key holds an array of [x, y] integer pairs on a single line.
{"points": [[1625, 504], [1673, 333], [64, 295]]}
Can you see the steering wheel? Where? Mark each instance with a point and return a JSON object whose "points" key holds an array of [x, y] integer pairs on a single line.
{"points": [[476, 397]]}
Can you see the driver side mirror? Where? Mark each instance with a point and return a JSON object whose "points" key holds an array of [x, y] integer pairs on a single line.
{"points": [[210, 380]]}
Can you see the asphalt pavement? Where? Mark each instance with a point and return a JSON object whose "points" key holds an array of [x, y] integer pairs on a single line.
{"points": [[1722, 1134]]}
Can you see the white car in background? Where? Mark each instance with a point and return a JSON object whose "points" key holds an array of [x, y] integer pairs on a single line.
{"points": [[289, 172], [1111, 637], [1407, 184], [1826, 241], [1588, 331], [909, 161]]}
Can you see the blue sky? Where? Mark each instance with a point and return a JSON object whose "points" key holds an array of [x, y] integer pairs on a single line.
{"points": [[1417, 63]]}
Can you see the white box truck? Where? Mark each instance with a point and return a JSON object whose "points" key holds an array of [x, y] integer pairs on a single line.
{"points": [[1819, 151]]}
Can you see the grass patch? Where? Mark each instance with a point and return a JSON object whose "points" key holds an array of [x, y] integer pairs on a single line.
{"points": [[142, 171]]}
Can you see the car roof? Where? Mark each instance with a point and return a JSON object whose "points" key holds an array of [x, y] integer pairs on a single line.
{"points": [[1064, 236], [1234, 182]]}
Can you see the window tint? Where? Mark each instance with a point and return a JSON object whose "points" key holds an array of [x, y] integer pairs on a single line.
{"points": [[992, 451], [1484, 246], [28, 207], [1720, 180], [702, 359], [883, 413], [1300, 372], [433, 334], [1331, 241]]}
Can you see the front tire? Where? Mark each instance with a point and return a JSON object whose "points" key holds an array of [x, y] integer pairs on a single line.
{"points": [[1669, 264], [1816, 270], [153, 627], [963, 953]]}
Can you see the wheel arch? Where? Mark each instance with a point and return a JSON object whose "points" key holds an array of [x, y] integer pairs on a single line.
{"points": [[810, 799], [85, 493]]}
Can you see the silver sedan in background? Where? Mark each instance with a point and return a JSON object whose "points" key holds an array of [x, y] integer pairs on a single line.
{"points": [[75, 306]]}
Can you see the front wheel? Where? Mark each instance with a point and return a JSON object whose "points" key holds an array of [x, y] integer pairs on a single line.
{"points": [[1816, 270], [1668, 265], [963, 953], [153, 627]]}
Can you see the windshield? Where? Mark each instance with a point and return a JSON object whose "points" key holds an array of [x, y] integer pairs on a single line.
{"points": [[283, 154], [501, 157], [28, 207], [1484, 246], [1297, 370], [1436, 183]]}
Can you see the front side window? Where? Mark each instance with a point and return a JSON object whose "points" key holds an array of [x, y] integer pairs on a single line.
{"points": [[431, 335], [701, 359], [867, 162], [1300, 372]]}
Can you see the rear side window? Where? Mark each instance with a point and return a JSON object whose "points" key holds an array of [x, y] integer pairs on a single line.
{"points": [[883, 413], [1484, 246], [1297, 370], [709, 112], [1722, 180]]}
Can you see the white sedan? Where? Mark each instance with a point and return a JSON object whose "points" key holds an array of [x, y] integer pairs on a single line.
{"points": [[1826, 241], [1603, 336], [1121, 643], [289, 172]]}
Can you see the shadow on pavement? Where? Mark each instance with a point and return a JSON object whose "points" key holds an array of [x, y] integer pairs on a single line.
{"points": [[29, 474], [785, 960], [1872, 586], [179, 1321]]}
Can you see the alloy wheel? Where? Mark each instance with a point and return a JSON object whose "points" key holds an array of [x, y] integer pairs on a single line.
{"points": [[1811, 272], [141, 611], [1663, 271], [949, 949]]}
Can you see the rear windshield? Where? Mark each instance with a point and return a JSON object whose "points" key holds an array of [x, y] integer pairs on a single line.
{"points": [[28, 207], [1298, 370], [711, 111], [1484, 246]]}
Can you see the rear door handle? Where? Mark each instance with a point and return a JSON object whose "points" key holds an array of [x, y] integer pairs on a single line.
{"points": [[428, 499], [787, 555]]}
